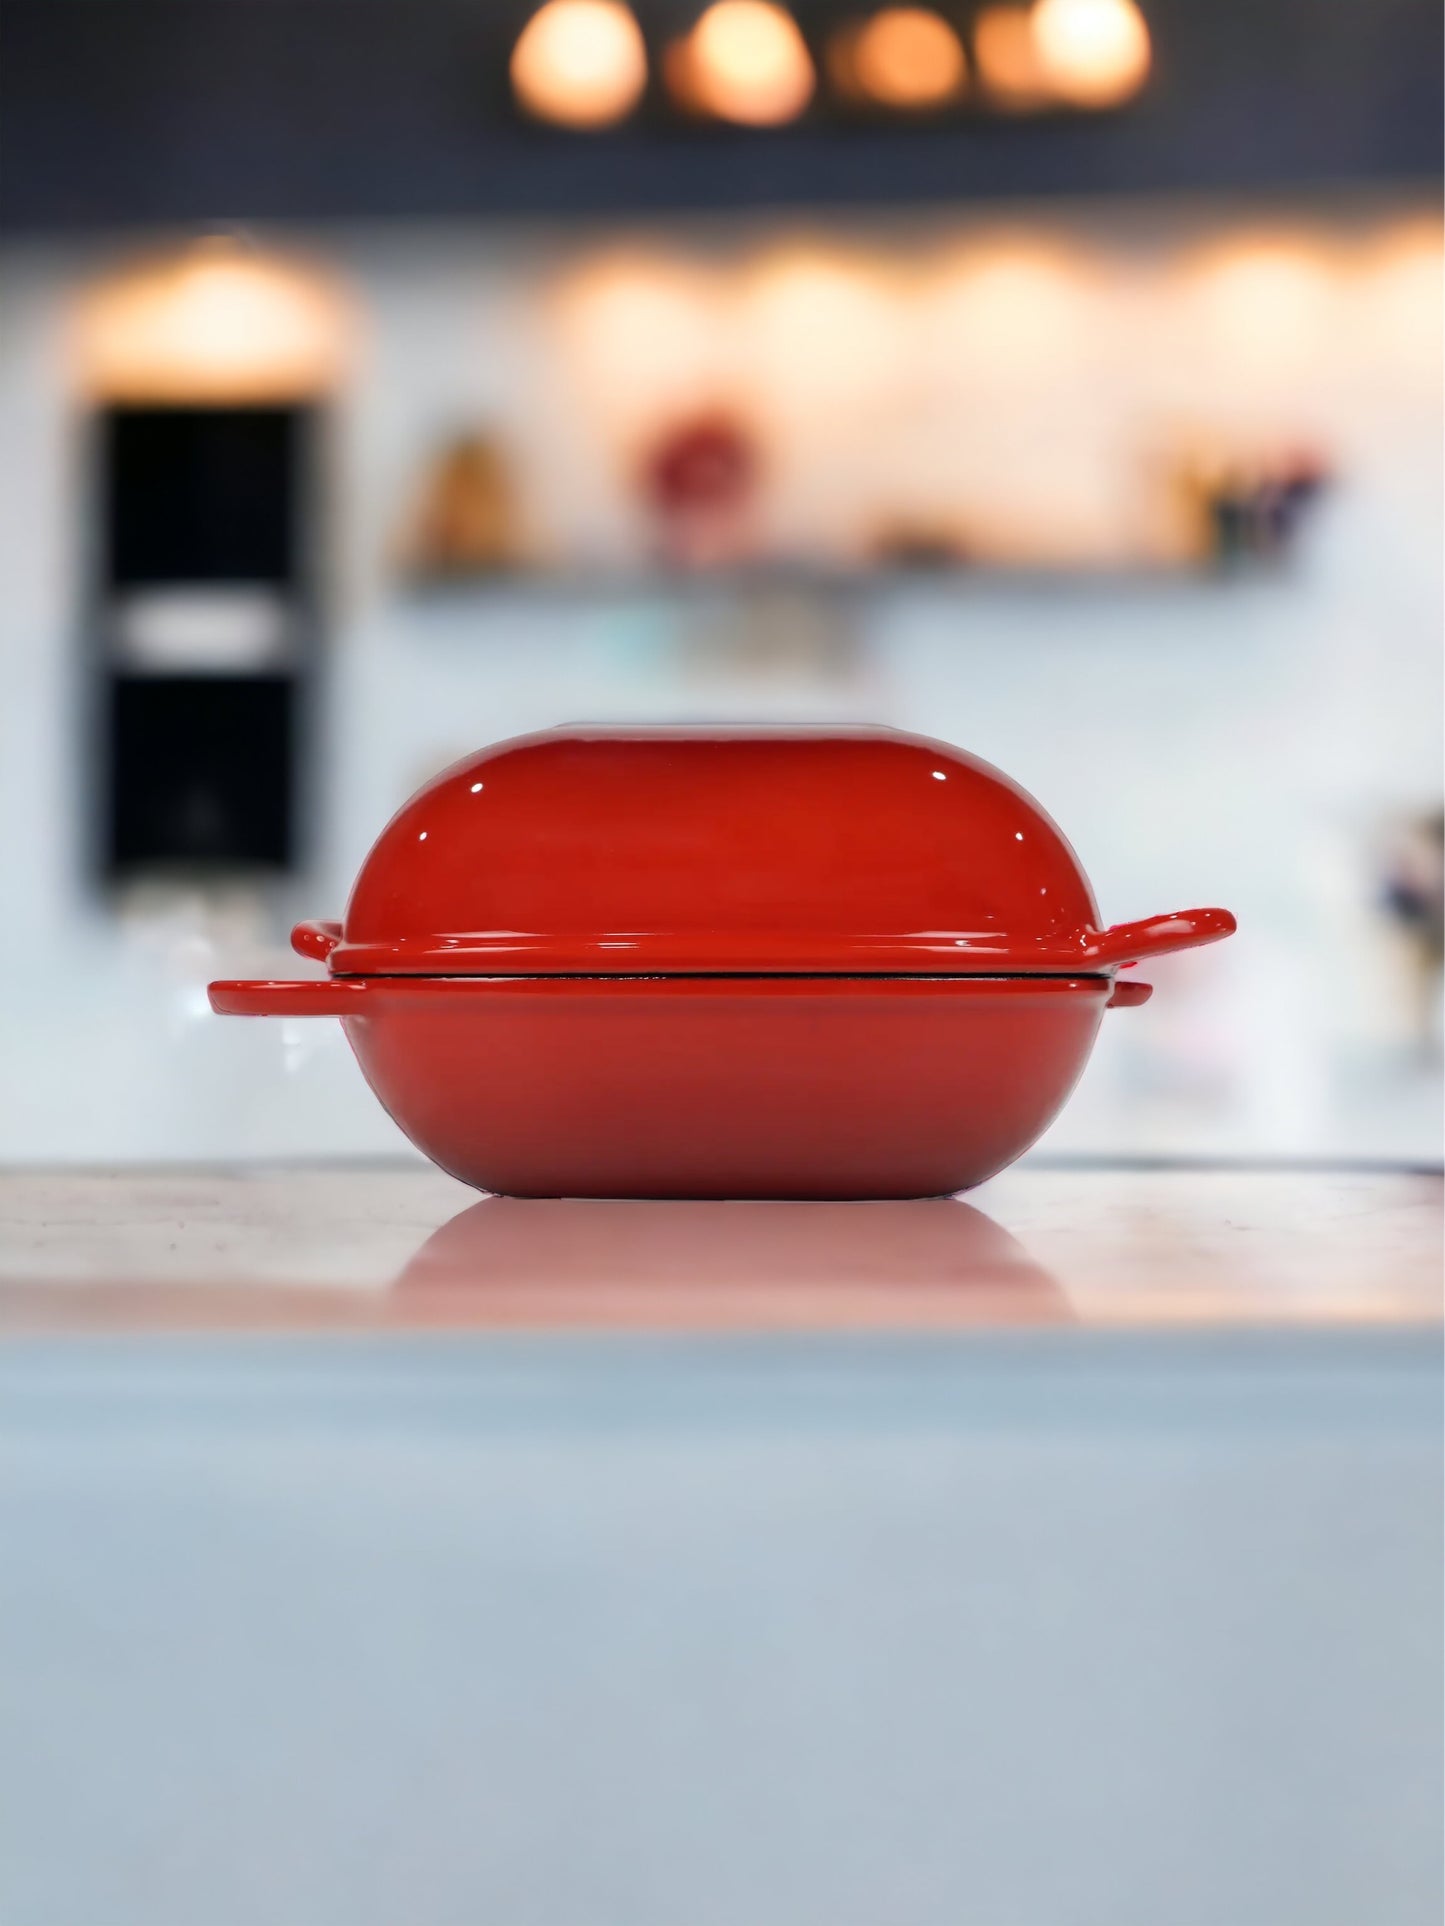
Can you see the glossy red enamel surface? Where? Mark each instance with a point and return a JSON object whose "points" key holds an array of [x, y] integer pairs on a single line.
{"points": [[698, 1087], [721, 963], [705, 850]]}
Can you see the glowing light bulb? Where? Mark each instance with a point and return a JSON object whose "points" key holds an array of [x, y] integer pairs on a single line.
{"points": [[1007, 59], [580, 63], [1094, 53], [909, 58], [747, 62]]}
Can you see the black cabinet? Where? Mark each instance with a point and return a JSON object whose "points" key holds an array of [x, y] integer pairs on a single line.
{"points": [[202, 495], [203, 636], [202, 771]]}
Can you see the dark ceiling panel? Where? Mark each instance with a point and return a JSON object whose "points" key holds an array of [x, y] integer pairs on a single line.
{"points": [[120, 112]]}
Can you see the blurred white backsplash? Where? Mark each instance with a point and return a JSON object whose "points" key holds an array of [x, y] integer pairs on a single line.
{"points": [[1252, 741]]}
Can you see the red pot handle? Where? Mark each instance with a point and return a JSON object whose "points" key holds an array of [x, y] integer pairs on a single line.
{"points": [[1128, 996], [316, 940], [315, 997], [1159, 936]]}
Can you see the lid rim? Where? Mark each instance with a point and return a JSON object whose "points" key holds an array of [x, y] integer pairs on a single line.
{"points": [[722, 953]]}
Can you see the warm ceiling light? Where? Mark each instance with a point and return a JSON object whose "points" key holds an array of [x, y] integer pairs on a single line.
{"points": [[218, 322], [581, 63], [1265, 302], [1094, 53], [747, 63], [641, 339], [1006, 58], [908, 57], [1403, 291]]}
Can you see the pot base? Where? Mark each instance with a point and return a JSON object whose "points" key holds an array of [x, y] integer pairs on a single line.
{"points": [[688, 1087]]}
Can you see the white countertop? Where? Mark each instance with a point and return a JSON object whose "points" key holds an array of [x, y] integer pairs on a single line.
{"points": [[403, 1246], [419, 1558]]}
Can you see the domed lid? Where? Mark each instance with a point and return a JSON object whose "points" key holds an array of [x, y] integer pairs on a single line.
{"points": [[642, 851]]}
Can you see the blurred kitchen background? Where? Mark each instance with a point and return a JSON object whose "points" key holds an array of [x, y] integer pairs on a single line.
{"points": [[380, 378]]}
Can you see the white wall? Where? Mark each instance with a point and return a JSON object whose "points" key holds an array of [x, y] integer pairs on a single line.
{"points": [[1245, 742]]}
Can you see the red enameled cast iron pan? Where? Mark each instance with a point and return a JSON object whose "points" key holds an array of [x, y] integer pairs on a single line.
{"points": [[721, 963]]}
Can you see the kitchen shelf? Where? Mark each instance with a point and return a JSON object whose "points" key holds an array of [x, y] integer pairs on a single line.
{"points": [[822, 579]]}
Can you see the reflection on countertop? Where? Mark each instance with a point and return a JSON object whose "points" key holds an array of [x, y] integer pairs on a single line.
{"points": [[403, 1246], [721, 1266]]}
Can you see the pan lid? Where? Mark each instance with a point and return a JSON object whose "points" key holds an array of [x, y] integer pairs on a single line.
{"points": [[647, 851]]}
